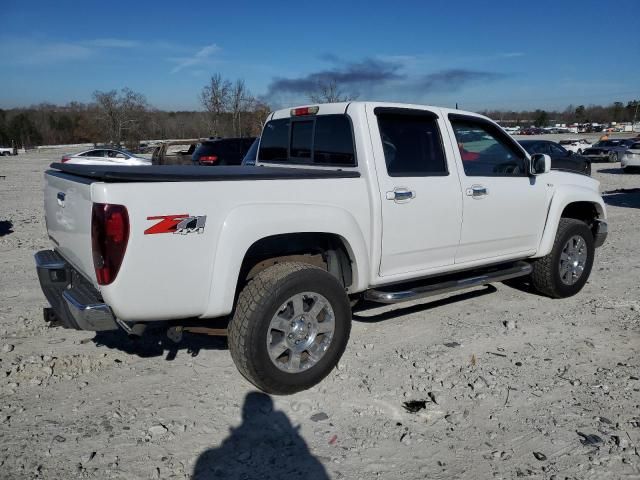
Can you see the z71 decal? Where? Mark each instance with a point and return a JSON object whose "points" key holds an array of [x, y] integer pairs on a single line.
{"points": [[182, 224]]}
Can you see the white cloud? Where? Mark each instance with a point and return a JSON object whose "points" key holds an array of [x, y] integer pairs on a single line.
{"points": [[201, 57], [112, 43], [31, 52], [38, 51]]}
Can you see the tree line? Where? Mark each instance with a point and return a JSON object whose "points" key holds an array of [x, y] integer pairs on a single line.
{"points": [[615, 112], [228, 109]]}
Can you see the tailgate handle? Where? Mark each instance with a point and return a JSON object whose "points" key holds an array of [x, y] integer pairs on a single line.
{"points": [[61, 197]]}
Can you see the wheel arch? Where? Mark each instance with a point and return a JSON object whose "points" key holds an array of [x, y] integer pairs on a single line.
{"points": [[579, 203], [253, 237]]}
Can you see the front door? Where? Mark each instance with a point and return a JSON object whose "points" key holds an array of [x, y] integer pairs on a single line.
{"points": [[504, 207], [419, 188]]}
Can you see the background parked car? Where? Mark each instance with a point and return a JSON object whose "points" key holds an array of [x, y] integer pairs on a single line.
{"points": [[630, 160], [576, 145], [174, 152], [224, 151], [251, 155], [105, 156], [561, 159], [608, 150]]}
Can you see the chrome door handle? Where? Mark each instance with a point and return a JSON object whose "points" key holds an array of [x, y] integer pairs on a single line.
{"points": [[477, 191], [401, 195]]}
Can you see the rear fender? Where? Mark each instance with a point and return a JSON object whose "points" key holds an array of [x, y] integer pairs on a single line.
{"points": [[248, 224]]}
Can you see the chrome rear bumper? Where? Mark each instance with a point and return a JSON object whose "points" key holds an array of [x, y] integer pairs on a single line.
{"points": [[76, 303]]}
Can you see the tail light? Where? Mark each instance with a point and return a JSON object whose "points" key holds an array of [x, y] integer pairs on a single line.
{"points": [[297, 112], [208, 159], [66, 158], [109, 238]]}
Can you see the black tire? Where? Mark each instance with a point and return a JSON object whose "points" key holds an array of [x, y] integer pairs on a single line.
{"points": [[545, 277], [259, 301]]}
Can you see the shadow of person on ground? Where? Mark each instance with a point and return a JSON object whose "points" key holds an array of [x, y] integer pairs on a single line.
{"points": [[622, 197], [154, 343], [6, 227], [265, 446]]}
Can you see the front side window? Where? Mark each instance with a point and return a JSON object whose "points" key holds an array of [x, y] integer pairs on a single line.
{"points": [[322, 140], [412, 144], [557, 150], [485, 150]]}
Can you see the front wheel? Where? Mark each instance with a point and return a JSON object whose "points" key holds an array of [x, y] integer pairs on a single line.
{"points": [[564, 271], [290, 327]]}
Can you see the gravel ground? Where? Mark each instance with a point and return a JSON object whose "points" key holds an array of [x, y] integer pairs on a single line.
{"points": [[500, 383]]}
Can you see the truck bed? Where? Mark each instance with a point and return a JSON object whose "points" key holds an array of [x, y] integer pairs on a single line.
{"points": [[187, 173]]}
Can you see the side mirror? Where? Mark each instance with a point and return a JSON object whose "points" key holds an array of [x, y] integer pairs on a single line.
{"points": [[540, 163]]}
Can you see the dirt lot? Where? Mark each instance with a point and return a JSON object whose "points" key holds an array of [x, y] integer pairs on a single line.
{"points": [[508, 384]]}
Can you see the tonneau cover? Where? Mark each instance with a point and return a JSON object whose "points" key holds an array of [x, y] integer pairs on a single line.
{"points": [[187, 173]]}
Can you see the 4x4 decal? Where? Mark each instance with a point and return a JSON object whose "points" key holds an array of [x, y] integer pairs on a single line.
{"points": [[182, 224]]}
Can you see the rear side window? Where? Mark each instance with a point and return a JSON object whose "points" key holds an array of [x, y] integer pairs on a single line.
{"points": [[323, 140], [412, 145]]}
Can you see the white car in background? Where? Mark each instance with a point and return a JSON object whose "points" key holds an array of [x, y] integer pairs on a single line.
{"points": [[630, 161], [105, 156], [576, 145]]}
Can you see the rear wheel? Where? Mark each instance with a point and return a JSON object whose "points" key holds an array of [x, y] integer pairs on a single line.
{"points": [[290, 327], [564, 271]]}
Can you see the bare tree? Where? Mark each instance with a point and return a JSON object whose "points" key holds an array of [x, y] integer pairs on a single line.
{"points": [[120, 112], [215, 100], [329, 92], [240, 99]]}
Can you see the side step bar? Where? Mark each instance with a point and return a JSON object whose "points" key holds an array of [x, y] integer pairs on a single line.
{"points": [[498, 274]]}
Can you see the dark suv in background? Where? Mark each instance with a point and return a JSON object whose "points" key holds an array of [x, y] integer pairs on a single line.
{"points": [[222, 151]]}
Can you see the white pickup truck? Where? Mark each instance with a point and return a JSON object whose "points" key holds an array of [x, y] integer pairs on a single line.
{"points": [[8, 151], [347, 202]]}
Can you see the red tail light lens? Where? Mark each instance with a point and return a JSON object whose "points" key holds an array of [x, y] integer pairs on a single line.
{"points": [[297, 112], [65, 159], [208, 159], [109, 238]]}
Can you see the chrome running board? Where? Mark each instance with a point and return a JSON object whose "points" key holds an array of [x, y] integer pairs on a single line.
{"points": [[436, 286]]}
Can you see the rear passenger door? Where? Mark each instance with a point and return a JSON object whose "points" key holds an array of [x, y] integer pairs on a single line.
{"points": [[420, 190]]}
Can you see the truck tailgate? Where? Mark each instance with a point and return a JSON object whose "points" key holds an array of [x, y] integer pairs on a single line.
{"points": [[67, 204]]}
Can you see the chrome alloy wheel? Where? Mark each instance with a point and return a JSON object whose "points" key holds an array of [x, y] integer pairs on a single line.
{"points": [[573, 259], [300, 332]]}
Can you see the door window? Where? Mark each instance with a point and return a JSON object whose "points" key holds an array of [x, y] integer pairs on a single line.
{"points": [[557, 151], [486, 151], [412, 144]]}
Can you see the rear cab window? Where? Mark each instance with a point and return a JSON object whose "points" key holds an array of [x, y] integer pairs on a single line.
{"points": [[323, 140]]}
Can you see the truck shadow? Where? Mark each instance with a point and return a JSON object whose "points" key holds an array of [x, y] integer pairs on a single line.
{"points": [[360, 310], [622, 197], [265, 446], [155, 343]]}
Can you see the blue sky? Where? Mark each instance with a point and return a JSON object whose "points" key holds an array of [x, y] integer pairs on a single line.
{"points": [[481, 54]]}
